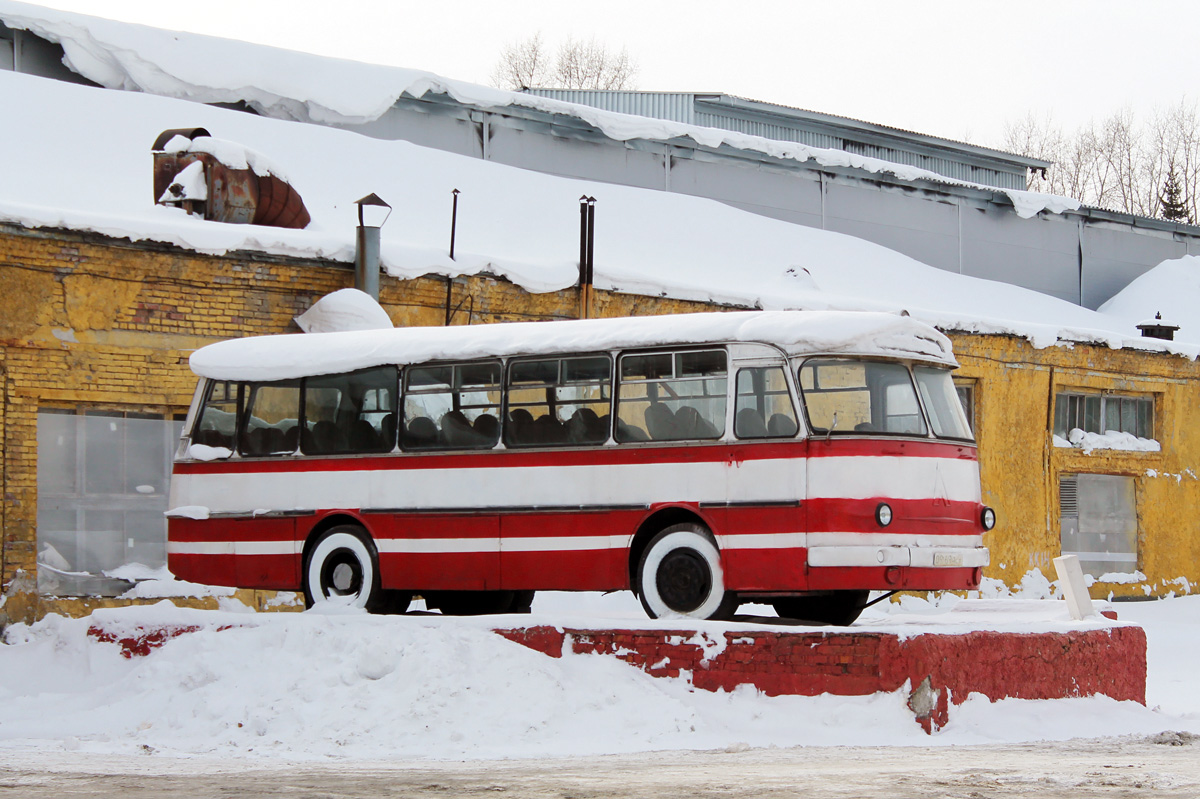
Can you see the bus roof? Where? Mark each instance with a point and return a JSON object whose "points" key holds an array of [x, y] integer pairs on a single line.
{"points": [[279, 357]]}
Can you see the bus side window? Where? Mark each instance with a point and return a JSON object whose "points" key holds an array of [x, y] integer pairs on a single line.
{"points": [[350, 413], [451, 406], [217, 424], [764, 407], [271, 425], [559, 402], [675, 396]]}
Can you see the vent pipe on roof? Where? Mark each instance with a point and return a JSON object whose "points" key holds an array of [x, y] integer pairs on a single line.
{"points": [[366, 249], [1157, 328]]}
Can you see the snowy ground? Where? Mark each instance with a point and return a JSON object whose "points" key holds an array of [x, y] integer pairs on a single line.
{"points": [[343, 687]]}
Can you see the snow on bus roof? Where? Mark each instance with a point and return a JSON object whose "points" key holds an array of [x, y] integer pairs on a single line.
{"points": [[281, 357]]}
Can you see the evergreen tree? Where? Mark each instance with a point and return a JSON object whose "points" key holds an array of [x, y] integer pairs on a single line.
{"points": [[1173, 206]]}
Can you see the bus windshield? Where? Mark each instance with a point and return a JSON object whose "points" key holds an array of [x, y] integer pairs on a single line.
{"points": [[843, 396]]}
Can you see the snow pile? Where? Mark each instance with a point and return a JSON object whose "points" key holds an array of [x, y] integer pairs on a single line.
{"points": [[350, 686], [283, 84], [1172, 288], [344, 310], [231, 154], [288, 356], [1110, 439]]}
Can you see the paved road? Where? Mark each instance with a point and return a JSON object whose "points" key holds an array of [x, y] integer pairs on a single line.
{"points": [[1166, 766]]}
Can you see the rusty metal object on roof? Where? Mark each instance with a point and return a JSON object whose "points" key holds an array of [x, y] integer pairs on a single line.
{"points": [[236, 196]]}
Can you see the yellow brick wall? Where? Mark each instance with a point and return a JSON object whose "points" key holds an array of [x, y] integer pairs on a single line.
{"points": [[91, 321], [1020, 467], [87, 320]]}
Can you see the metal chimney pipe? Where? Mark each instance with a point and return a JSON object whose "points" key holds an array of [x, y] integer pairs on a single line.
{"points": [[366, 250], [366, 261]]}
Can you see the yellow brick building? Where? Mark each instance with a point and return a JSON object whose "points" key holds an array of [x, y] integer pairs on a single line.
{"points": [[95, 334]]}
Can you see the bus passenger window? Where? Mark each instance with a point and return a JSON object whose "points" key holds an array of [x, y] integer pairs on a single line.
{"points": [[272, 419], [764, 407], [349, 413], [672, 396], [559, 402], [451, 407], [217, 424]]}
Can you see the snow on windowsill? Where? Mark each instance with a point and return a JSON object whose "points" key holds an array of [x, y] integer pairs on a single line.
{"points": [[1111, 440]]}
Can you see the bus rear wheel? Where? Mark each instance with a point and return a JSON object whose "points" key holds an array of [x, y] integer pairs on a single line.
{"points": [[680, 576], [343, 565], [836, 608]]}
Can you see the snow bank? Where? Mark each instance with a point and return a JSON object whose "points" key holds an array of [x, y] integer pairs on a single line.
{"points": [[352, 686], [283, 84]]}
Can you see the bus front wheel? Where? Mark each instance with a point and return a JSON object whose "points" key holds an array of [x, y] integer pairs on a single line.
{"points": [[343, 566], [680, 576]]}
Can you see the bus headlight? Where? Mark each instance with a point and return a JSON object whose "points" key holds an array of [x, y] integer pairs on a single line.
{"points": [[988, 518], [883, 514]]}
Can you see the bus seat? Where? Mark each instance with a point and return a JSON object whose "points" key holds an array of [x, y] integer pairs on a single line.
{"points": [[749, 424], [321, 439], [387, 429], [456, 430], [291, 439], [421, 433], [585, 427], [520, 422], [780, 424], [487, 427], [630, 432], [690, 424], [548, 430], [660, 422], [363, 437]]}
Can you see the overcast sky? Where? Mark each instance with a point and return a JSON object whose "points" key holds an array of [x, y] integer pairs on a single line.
{"points": [[953, 68]]}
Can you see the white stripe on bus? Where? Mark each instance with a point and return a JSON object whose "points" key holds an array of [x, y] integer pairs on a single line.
{"points": [[585, 485], [234, 547], [493, 545]]}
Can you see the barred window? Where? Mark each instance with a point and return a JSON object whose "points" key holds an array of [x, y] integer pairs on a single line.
{"points": [[1100, 413]]}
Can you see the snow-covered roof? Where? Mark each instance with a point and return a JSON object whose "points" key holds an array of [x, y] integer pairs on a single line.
{"points": [[512, 223], [297, 86], [302, 355]]}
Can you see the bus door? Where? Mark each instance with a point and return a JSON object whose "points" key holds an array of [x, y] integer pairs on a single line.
{"points": [[762, 515]]}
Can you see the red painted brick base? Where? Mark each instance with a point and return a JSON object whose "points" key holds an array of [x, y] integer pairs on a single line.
{"points": [[940, 670]]}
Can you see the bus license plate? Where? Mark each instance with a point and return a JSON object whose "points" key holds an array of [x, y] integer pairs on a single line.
{"points": [[947, 559]]}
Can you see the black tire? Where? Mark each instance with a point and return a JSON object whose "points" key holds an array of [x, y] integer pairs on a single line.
{"points": [[679, 576], [836, 608], [479, 603], [343, 563]]}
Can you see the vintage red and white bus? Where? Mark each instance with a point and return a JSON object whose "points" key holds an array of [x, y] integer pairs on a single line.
{"points": [[796, 458]]}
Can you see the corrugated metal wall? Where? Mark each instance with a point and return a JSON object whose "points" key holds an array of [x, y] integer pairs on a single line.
{"points": [[682, 107], [674, 106]]}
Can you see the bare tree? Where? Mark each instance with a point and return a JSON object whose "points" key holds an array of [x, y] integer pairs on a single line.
{"points": [[522, 64], [1119, 163], [576, 65]]}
